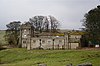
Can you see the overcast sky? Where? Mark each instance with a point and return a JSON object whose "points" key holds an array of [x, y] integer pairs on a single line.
{"points": [[68, 12]]}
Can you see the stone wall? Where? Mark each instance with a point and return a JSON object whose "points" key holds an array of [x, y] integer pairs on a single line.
{"points": [[48, 43], [74, 45], [29, 41]]}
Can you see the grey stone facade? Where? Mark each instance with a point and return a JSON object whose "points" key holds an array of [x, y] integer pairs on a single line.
{"points": [[29, 41]]}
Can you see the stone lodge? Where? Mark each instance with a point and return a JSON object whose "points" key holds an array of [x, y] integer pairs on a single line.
{"points": [[63, 40]]}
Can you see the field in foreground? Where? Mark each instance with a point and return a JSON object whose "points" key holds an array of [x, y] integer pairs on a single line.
{"points": [[22, 57]]}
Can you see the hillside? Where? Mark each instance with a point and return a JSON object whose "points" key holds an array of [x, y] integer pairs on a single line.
{"points": [[2, 39], [22, 57]]}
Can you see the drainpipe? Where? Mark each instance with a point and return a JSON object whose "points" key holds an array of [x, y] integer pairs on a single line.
{"points": [[68, 41], [53, 44], [40, 44]]}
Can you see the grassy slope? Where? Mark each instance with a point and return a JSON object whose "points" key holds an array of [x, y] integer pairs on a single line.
{"points": [[22, 57], [2, 39]]}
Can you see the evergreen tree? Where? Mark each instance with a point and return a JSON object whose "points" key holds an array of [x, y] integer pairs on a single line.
{"points": [[12, 33], [92, 24]]}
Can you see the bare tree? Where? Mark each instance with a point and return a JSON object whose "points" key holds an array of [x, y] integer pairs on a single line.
{"points": [[40, 23], [54, 24], [44, 24]]}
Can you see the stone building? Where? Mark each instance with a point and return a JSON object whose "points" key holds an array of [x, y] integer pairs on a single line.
{"points": [[63, 40]]}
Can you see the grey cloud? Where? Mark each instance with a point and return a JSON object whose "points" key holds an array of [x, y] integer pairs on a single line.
{"points": [[68, 12]]}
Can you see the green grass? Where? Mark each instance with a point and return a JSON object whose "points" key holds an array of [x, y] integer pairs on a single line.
{"points": [[2, 39], [22, 57]]}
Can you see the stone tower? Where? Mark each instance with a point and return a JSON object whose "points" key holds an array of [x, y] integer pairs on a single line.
{"points": [[26, 32]]}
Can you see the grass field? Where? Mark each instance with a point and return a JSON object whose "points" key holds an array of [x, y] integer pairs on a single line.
{"points": [[22, 57], [2, 39]]}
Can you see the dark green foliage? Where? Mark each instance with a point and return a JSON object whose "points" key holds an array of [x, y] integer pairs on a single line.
{"points": [[92, 24], [12, 33]]}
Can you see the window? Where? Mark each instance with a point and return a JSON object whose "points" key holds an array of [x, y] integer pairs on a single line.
{"points": [[24, 35], [24, 41], [25, 30], [43, 41], [34, 41], [28, 34], [49, 42], [60, 41]]}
